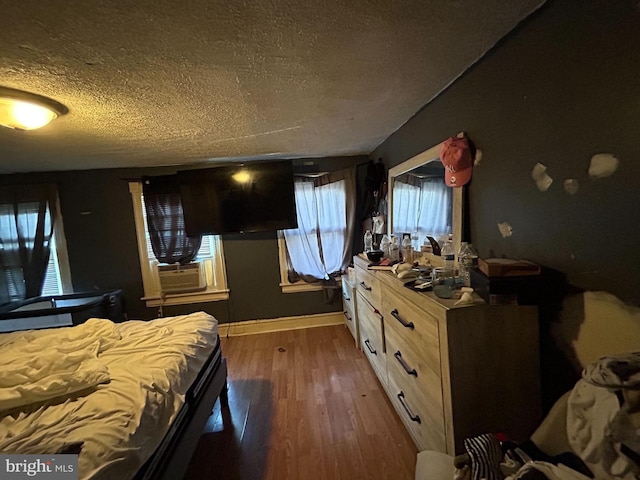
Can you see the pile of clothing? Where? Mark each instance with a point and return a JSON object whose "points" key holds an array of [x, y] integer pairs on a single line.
{"points": [[603, 430]]}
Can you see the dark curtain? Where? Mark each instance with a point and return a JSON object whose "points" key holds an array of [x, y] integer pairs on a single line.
{"points": [[165, 221], [28, 216]]}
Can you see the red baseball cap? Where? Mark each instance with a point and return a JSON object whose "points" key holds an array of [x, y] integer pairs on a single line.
{"points": [[455, 155]]}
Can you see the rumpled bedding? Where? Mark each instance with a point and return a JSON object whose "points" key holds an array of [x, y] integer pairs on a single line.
{"points": [[113, 388], [603, 417], [602, 427]]}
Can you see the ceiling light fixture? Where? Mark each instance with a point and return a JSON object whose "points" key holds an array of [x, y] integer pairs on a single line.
{"points": [[26, 111]]}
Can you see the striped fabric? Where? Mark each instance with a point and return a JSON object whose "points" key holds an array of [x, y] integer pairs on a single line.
{"points": [[486, 456]]}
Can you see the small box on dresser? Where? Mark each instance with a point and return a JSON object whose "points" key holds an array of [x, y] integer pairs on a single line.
{"points": [[450, 371]]}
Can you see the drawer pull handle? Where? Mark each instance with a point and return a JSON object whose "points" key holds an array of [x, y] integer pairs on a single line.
{"points": [[414, 418], [410, 371], [397, 316], [371, 349], [347, 316], [346, 297], [365, 286]]}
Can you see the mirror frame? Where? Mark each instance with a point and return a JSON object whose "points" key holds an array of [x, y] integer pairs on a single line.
{"points": [[425, 157]]}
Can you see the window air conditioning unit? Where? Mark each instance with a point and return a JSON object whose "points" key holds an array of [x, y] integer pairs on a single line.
{"points": [[178, 278]]}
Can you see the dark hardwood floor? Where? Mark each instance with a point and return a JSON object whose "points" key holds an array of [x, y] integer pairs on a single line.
{"points": [[304, 404]]}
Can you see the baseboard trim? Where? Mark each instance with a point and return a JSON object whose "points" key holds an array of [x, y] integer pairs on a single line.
{"points": [[251, 327]]}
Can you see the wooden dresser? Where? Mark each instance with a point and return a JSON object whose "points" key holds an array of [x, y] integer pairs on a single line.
{"points": [[450, 371]]}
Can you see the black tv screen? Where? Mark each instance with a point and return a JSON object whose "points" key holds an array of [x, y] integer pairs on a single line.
{"points": [[250, 197]]}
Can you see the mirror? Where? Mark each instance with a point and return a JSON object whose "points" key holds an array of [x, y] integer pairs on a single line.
{"points": [[420, 201]]}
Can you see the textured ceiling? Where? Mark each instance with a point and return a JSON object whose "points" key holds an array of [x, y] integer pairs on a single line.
{"points": [[165, 82]]}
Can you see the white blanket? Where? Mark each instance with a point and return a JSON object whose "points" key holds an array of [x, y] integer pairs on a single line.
{"points": [[114, 387]]}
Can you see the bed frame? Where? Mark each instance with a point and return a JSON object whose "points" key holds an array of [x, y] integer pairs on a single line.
{"points": [[171, 459]]}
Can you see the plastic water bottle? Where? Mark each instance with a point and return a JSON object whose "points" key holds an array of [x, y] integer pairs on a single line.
{"points": [[368, 241], [394, 249], [415, 241], [470, 262], [472, 257], [464, 259], [407, 250], [448, 256], [384, 245]]}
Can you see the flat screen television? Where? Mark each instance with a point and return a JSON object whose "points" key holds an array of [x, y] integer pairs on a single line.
{"points": [[250, 197]]}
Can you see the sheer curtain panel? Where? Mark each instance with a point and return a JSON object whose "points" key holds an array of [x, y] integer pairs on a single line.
{"points": [[320, 248], [421, 205]]}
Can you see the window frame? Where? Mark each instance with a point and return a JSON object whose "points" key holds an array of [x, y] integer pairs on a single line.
{"points": [[58, 255], [285, 285], [296, 287], [214, 265]]}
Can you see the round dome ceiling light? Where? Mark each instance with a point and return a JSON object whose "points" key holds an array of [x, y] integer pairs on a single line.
{"points": [[27, 111]]}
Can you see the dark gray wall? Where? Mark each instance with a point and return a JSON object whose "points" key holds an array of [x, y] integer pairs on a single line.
{"points": [[101, 240], [559, 89]]}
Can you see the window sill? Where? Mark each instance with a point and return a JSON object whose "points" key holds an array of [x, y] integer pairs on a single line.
{"points": [[186, 298], [301, 287]]}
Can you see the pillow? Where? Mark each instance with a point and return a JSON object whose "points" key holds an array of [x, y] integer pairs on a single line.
{"points": [[609, 327], [594, 325]]}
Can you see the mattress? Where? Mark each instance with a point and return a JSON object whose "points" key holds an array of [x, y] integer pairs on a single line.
{"points": [[113, 387]]}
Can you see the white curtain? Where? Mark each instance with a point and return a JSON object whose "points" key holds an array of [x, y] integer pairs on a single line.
{"points": [[423, 207], [320, 246]]}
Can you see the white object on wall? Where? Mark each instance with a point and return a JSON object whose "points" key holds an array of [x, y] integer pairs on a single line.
{"points": [[505, 229], [539, 174], [571, 186], [603, 165]]}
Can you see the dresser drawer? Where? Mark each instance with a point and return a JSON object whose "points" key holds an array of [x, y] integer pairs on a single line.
{"points": [[372, 338], [349, 309], [369, 286], [416, 378], [348, 291], [413, 327], [350, 319], [424, 423]]}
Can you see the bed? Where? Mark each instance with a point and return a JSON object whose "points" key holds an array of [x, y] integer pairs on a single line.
{"points": [[132, 398]]}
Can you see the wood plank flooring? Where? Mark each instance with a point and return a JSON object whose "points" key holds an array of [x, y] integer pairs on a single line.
{"points": [[304, 404]]}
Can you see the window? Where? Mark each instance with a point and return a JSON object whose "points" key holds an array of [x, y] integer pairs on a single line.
{"points": [[319, 247], [210, 255], [57, 277], [52, 280], [422, 206]]}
